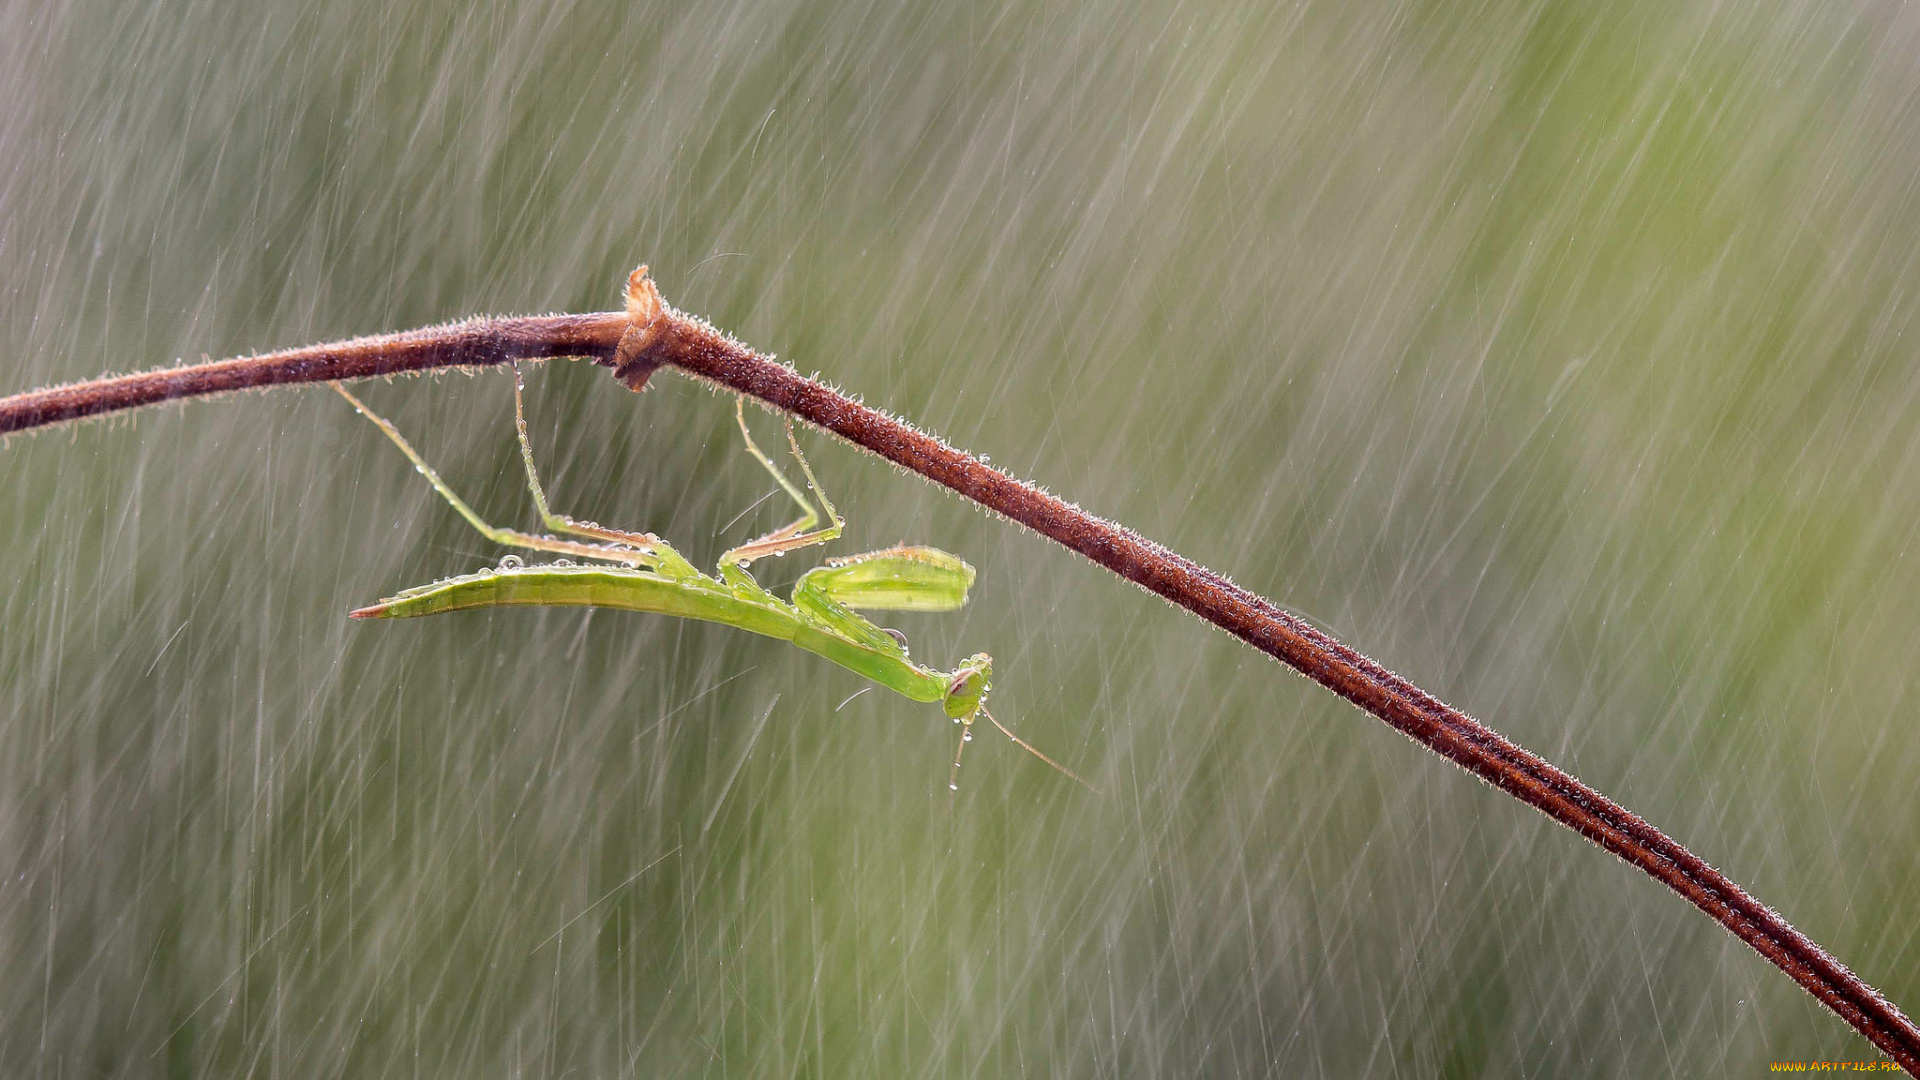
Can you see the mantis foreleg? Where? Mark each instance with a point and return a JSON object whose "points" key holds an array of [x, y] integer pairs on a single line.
{"points": [[905, 578], [897, 579]]}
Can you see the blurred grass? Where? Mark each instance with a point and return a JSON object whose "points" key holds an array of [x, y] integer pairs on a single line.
{"points": [[1554, 355]]}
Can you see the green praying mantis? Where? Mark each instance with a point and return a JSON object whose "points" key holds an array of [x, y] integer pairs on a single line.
{"points": [[641, 572]]}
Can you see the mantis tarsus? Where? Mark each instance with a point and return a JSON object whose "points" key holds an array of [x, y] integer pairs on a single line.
{"points": [[641, 572]]}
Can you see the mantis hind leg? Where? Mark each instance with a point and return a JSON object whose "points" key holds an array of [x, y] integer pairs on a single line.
{"points": [[800, 532], [657, 551], [503, 537]]}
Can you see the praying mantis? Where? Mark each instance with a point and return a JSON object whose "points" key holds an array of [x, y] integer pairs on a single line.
{"points": [[641, 572]]}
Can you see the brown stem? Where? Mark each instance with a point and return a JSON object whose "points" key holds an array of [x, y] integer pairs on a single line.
{"points": [[651, 335], [469, 343]]}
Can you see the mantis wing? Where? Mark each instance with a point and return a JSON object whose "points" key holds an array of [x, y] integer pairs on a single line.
{"points": [[897, 579]]}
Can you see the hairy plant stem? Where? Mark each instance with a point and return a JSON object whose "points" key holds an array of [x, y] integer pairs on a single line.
{"points": [[651, 335]]}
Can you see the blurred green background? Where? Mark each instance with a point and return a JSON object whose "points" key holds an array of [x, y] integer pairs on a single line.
{"points": [[1553, 354]]}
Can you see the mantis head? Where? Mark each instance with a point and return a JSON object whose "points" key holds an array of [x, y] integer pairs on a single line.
{"points": [[967, 689], [967, 698]]}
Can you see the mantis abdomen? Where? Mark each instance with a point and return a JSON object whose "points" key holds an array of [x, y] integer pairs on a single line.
{"points": [[639, 590]]}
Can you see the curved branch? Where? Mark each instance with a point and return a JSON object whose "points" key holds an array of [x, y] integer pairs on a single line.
{"points": [[650, 335], [468, 343]]}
